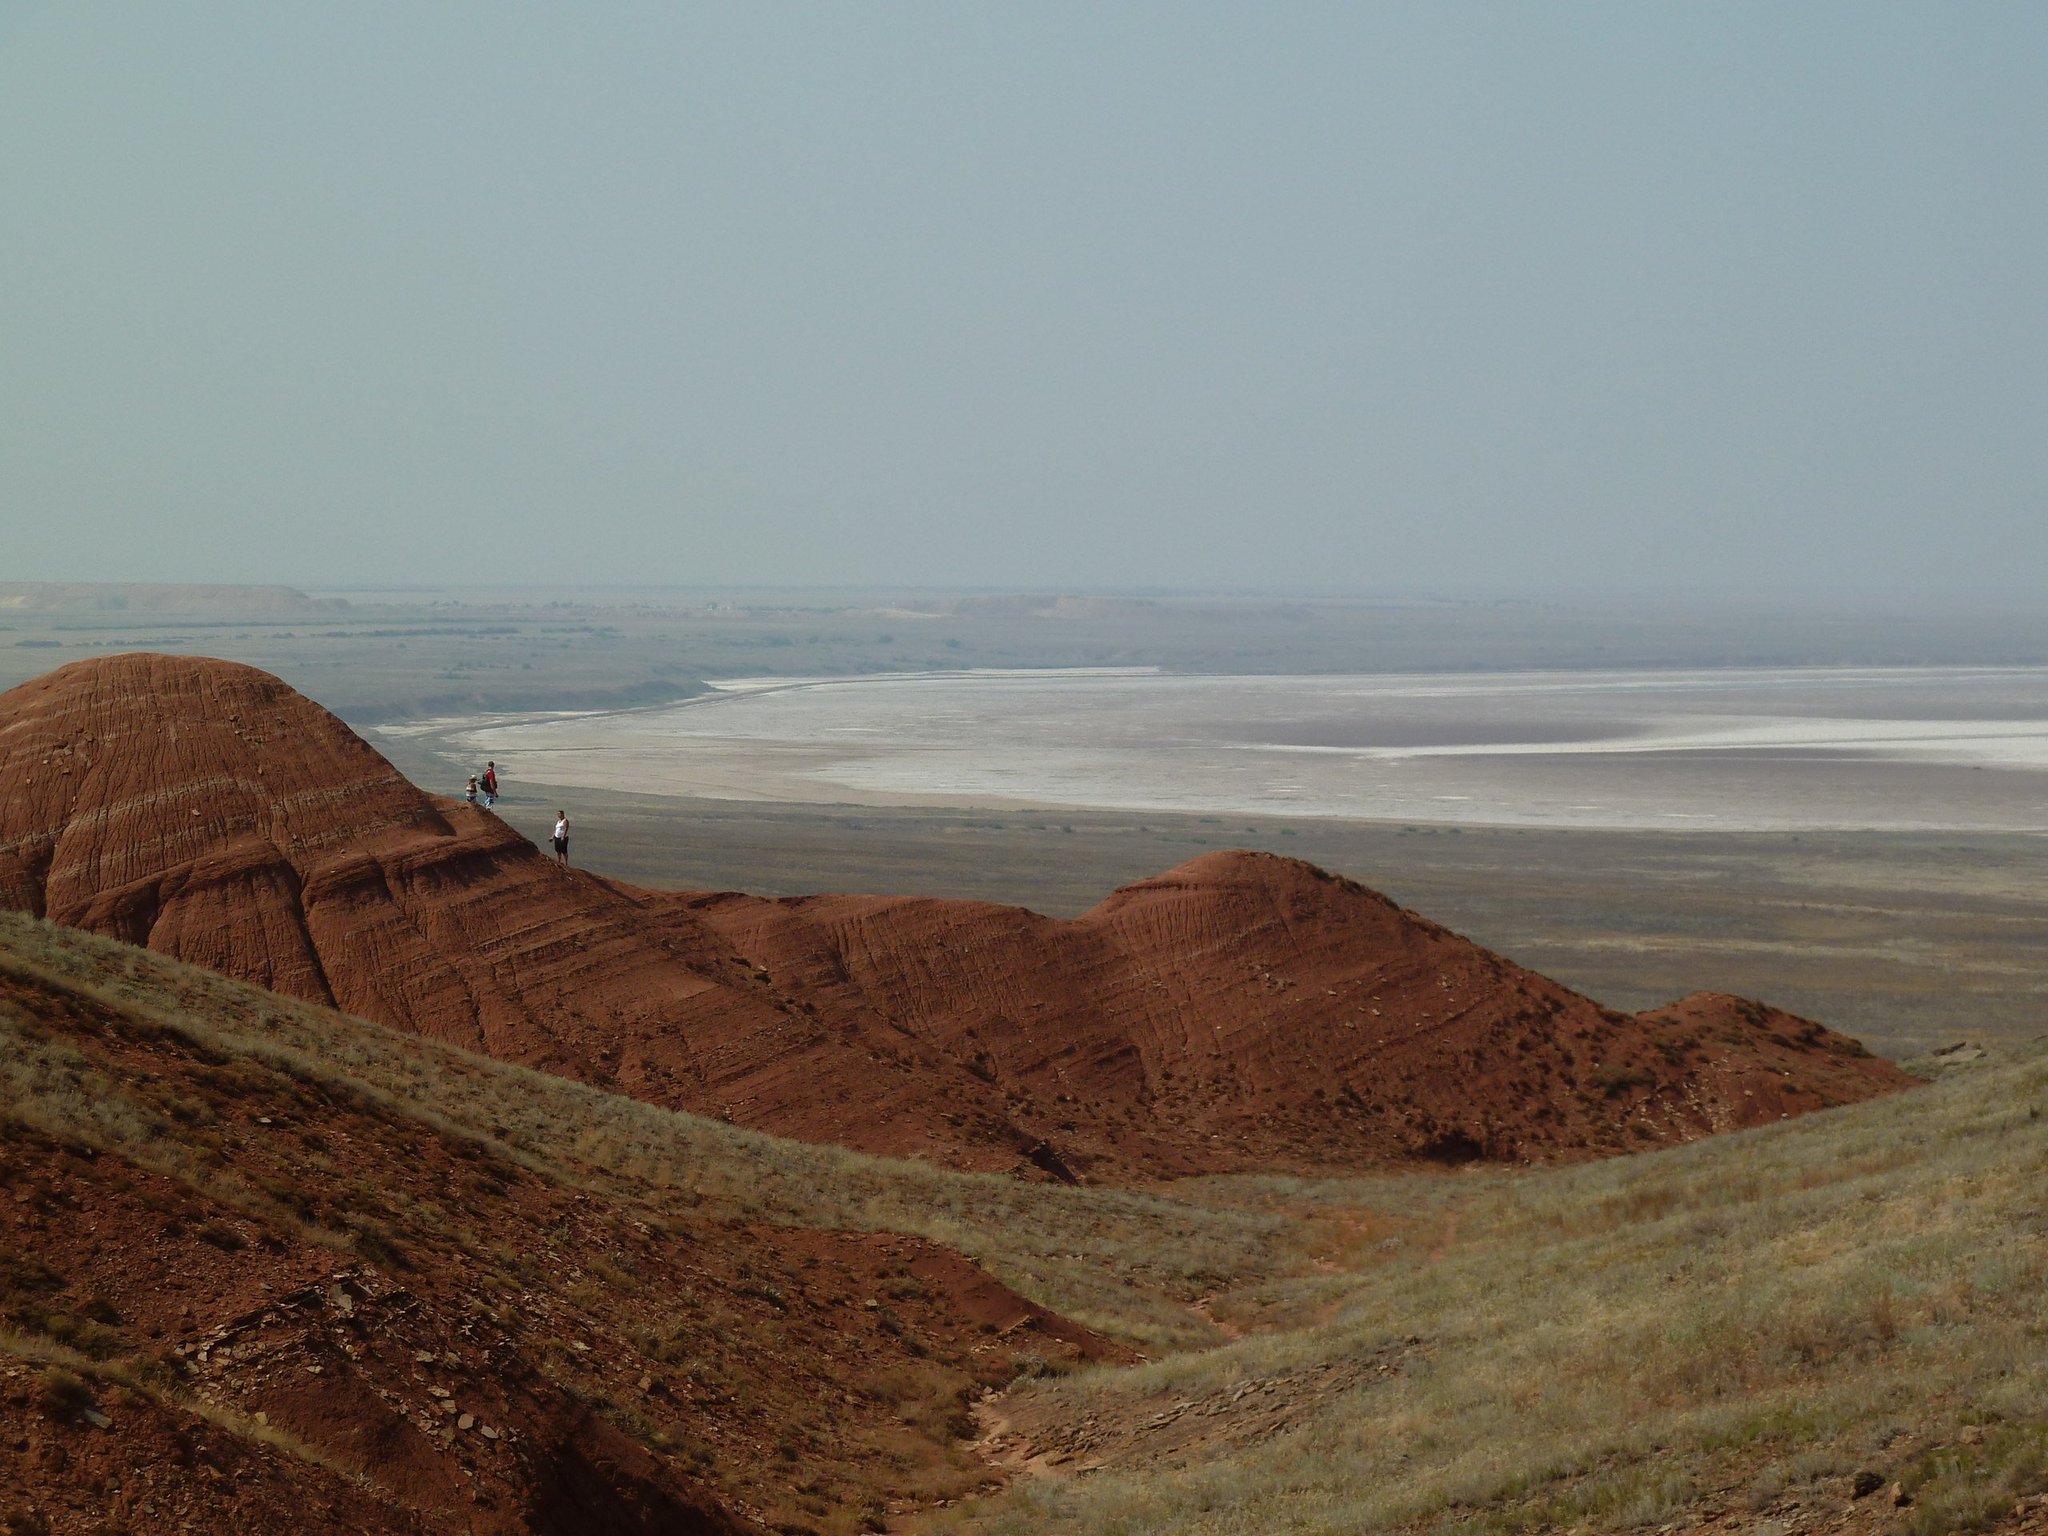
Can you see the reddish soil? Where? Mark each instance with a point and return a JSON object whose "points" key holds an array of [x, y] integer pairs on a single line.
{"points": [[1242, 1011], [299, 1309]]}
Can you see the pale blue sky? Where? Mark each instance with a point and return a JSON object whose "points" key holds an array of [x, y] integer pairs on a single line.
{"points": [[1348, 296]]}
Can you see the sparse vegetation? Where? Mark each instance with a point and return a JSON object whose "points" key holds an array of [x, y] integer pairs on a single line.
{"points": [[62, 1394], [1125, 1262], [1611, 1344], [1722, 1327]]}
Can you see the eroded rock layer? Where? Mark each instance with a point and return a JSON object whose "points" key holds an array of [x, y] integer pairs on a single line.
{"points": [[1241, 1011]]}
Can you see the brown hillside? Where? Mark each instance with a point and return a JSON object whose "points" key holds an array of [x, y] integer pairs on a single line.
{"points": [[1241, 1011], [244, 1290]]}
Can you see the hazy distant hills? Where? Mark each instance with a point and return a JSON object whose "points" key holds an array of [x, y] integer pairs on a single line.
{"points": [[224, 600]]}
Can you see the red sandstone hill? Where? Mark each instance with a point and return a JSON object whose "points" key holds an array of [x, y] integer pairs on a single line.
{"points": [[1242, 1011]]}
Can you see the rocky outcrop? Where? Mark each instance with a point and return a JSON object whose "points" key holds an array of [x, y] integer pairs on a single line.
{"points": [[1242, 1011]]}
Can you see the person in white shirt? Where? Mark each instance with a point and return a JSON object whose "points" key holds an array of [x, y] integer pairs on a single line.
{"points": [[561, 837]]}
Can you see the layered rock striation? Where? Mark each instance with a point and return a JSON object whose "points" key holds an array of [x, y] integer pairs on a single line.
{"points": [[1242, 1011]]}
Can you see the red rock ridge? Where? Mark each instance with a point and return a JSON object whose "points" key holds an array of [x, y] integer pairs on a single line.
{"points": [[1241, 1011]]}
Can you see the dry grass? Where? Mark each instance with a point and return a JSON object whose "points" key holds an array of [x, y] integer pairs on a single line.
{"points": [[1620, 1344], [1611, 1344], [1124, 1262]]}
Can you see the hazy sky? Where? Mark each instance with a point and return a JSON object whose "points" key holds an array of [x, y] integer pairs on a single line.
{"points": [[1339, 296]]}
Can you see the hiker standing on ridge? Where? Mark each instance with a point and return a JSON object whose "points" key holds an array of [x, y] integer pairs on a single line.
{"points": [[490, 785], [469, 794], [561, 837]]}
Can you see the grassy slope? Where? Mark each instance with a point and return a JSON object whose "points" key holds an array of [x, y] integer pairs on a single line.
{"points": [[1707, 1328], [1127, 1263], [1665, 1337]]}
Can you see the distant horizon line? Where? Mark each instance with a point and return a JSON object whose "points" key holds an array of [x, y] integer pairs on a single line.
{"points": [[1751, 595]]}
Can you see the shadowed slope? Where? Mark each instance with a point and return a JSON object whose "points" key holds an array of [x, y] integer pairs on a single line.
{"points": [[1241, 1011], [264, 1270]]}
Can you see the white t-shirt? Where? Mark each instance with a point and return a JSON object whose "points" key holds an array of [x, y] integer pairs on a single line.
{"points": [[561, 829]]}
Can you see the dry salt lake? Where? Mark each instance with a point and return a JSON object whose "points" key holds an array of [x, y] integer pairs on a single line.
{"points": [[1963, 749]]}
